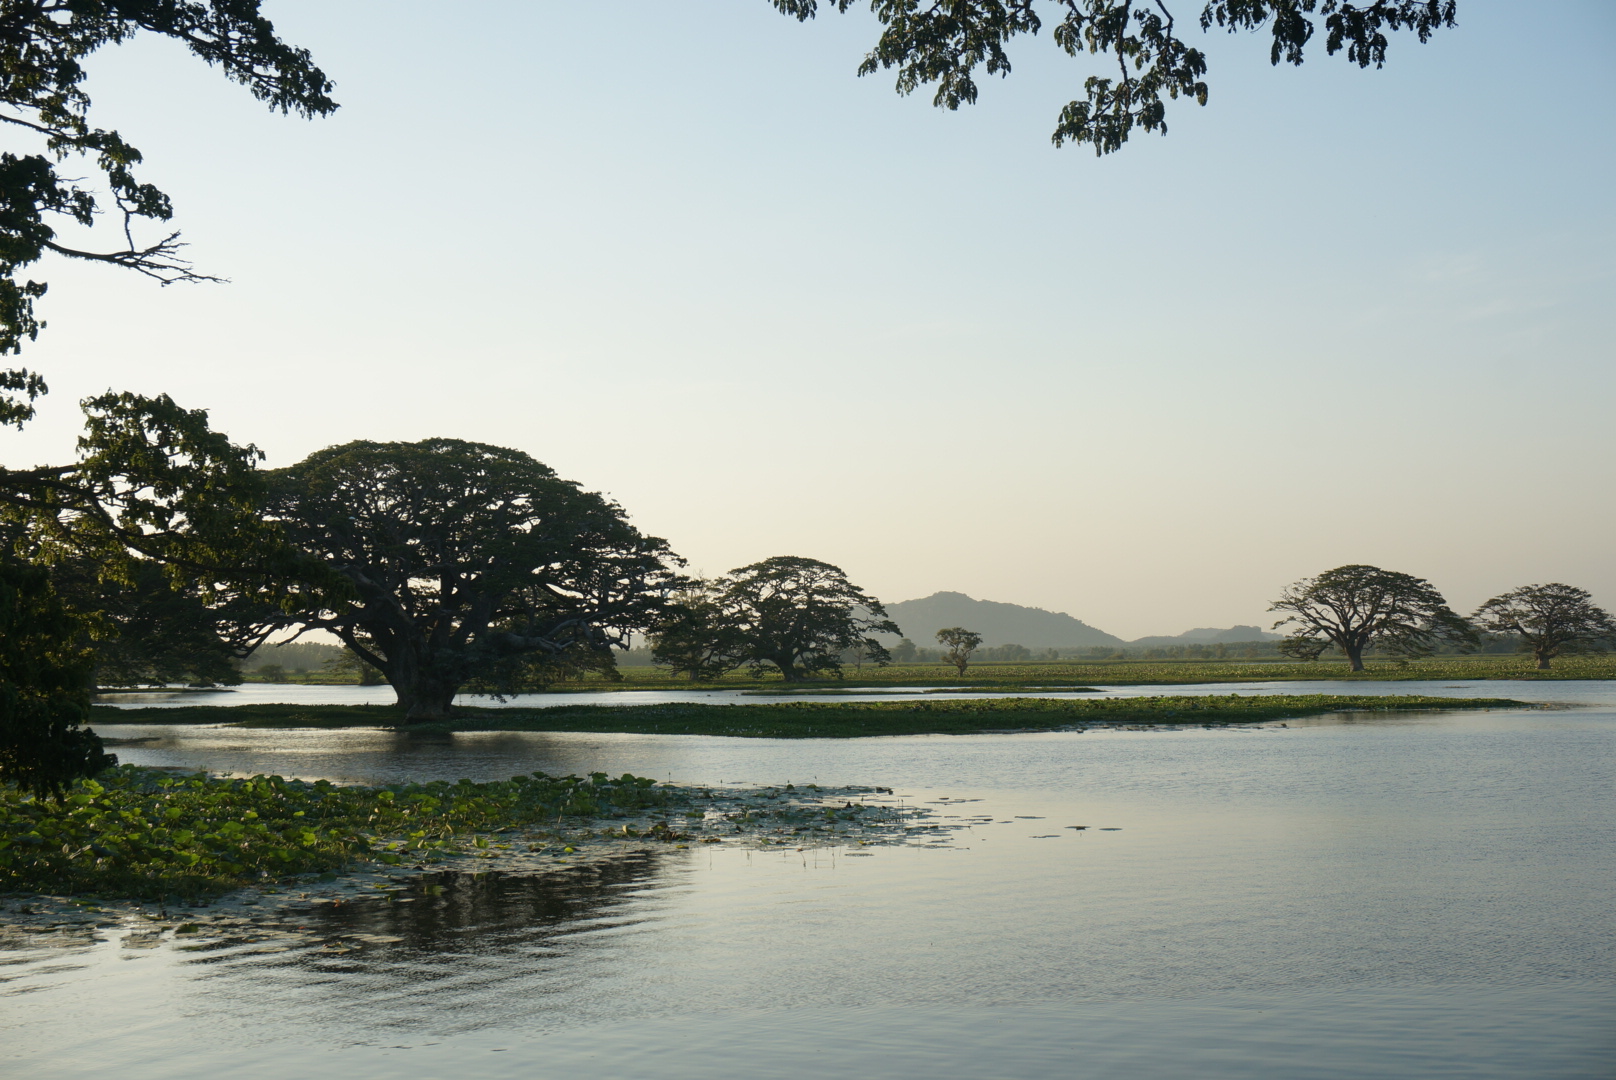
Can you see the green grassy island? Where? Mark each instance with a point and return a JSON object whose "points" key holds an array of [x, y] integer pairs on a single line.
{"points": [[929, 715]]}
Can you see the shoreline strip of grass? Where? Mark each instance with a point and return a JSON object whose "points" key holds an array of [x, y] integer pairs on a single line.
{"points": [[821, 719]]}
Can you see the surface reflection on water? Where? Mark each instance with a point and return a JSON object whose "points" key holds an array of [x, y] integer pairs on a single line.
{"points": [[1579, 690], [1423, 895]]}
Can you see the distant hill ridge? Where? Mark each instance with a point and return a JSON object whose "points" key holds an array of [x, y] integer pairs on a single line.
{"points": [[999, 624], [1209, 636], [1014, 624]]}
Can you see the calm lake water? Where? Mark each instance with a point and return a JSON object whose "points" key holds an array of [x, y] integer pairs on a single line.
{"points": [[1407, 895]]}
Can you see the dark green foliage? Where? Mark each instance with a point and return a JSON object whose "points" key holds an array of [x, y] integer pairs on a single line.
{"points": [[152, 631], [799, 615], [152, 480], [1549, 620], [348, 668], [463, 563], [695, 637], [932, 714], [1355, 607], [137, 832], [43, 48], [1145, 59], [961, 644], [154, 485], [44, 685]]}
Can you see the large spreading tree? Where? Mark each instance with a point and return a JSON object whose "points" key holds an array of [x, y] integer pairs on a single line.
{"points": [[1354, 608], [694, 636], [463, 563], [797, 616], [151, 483], [1548, 619], [1144, 60]]}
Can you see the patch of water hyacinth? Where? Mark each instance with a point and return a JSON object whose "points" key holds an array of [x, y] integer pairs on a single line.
{"points": [[141, 832]]}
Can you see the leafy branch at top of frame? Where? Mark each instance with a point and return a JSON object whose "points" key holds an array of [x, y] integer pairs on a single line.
{"points": [[43, 48], [946, 42]]}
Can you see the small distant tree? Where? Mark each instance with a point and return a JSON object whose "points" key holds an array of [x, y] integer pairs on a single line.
{"points": [[904, 652], [1355, 607], [961, 644], [799, 615], [1548, 620]]}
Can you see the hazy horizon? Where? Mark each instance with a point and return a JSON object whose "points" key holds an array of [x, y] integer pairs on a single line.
{"points": [[686, 257]]}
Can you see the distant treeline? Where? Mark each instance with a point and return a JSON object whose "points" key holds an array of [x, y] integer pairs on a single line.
{"points": [[303, 658], [907, 652], [295, 658]]}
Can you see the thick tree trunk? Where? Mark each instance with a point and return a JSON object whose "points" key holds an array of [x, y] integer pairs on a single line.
{"points": [[788, 670], [423, 696], [1354, 657], [1543, 658], [425, 701]]}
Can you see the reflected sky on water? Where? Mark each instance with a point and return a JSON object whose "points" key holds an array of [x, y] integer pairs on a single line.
{"points": [[1420, 895]]}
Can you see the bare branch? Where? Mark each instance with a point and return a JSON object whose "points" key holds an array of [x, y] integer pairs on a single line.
{"points": [[160, 261]]}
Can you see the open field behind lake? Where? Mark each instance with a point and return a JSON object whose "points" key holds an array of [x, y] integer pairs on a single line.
{"points": [[1102, 672]]}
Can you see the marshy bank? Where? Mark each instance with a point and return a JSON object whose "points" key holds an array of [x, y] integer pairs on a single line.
{"points": [[932, 715], [144, 834]]}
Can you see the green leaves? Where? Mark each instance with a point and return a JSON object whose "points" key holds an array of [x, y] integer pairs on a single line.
{"points": [[42, 53], [1549, 619], [465, 563], [44, 685], [1357, 606], [1145, 61], [799, 615], [137, 833]]}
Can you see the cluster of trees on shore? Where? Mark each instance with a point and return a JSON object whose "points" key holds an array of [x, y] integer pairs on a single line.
{"points": [[165, 552], [1360, 610]]}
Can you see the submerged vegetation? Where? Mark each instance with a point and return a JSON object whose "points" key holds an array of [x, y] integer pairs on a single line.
{"points": [[931, 715]]}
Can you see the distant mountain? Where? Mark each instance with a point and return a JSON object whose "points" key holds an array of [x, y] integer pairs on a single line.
{"points": [[1208, 636], [999, 624]]}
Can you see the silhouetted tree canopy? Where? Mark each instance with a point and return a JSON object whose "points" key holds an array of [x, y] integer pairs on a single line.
{"points": [[961, 644], [43, 48], [1144, 59], [463, 563], [695, 636], [154, 486], [151, 630], [1357, 607], [45, 667], [1549, 619], [799, 615]]}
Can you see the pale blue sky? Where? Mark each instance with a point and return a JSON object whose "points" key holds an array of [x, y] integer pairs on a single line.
{"points": [[681, 253]]}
